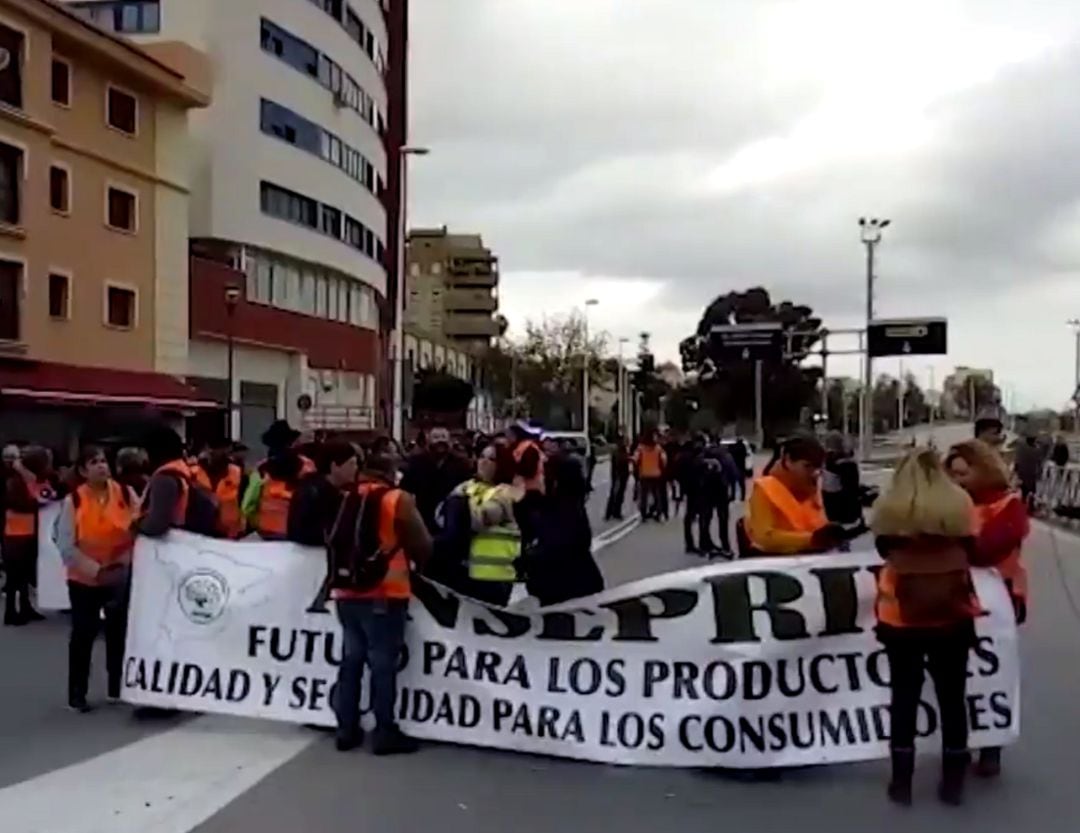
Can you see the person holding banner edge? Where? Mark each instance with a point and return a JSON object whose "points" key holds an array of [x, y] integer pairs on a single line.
{"points": [[1001, 525], [784, 515], [95, 537], [926, 608]]}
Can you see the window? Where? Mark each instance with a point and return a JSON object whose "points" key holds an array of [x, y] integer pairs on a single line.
{"points": [[10, 293], [331, 222], [302, 56], [343, 301], [126, 16], [321, 296], [288, 205], [264, 281], [332, 299], [120, 307], [11, 61], [59, 189], [11, 168], [61, 82], [59, 296], [123, 210], [356, 296], [122, 111]]}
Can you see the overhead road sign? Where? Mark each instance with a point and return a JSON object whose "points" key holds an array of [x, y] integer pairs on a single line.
{"points": [[747, 342], [907, 337]]}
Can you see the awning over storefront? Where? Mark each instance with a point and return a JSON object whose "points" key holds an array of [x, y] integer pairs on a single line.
{"points": [[72, 385]]}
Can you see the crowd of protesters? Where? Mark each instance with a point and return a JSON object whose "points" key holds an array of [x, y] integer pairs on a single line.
{"points": [[479, 514]]}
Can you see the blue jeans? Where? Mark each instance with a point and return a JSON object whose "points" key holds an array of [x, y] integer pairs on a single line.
{"points": [[374, 631]]}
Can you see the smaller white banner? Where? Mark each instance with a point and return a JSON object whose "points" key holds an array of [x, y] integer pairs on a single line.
{"points": [[52, 591]]}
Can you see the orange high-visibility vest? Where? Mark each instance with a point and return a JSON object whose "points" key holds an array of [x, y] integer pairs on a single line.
{"points": [[24, 524], [1012, 567], [536, 482], [184, 474], [102, 529], [804, 516], [650, 461], [272, 517], [396, 583], [227, 491]]}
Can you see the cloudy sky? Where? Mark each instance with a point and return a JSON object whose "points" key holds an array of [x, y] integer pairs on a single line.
{"points": [[655, 153]]}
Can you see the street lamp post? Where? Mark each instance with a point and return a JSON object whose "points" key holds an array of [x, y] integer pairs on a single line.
{"points": [[1075, 324], [624, 383], [870, 233], [398, 346], [591, 302], [232, 298]]}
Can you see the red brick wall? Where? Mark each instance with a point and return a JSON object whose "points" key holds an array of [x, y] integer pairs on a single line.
{"points": [[328, 344]]}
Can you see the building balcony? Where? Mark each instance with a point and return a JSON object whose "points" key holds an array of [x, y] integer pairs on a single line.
{"points": [[466, 300], [471, 325], [481, 271]]}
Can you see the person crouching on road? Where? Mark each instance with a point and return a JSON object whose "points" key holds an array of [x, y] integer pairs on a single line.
{"points": [[95, 539], [373, 619], [1001, 525], [926, 608], [784, 515]]}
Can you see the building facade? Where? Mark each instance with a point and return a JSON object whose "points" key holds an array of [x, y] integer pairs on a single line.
{"points": [[95, 157], [293, 179], [453, 282], [424, 351]]}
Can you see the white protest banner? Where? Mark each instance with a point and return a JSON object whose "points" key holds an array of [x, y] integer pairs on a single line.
{"points": [[52, 591], [766, 662]]}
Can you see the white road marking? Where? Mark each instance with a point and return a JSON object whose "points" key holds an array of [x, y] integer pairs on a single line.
{"points": [[168, 783]]}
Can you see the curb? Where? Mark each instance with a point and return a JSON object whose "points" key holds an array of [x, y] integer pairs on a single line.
{"points": [[616, 533]]}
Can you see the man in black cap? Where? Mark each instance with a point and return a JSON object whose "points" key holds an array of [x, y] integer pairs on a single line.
{"points": [[270, 492]]}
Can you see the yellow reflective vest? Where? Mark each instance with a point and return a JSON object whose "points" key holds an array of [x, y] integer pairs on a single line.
{"points": [[493, 549]]}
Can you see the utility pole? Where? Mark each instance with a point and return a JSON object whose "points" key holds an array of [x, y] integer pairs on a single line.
{"points": [[900, 399], [870, 233], [759, 415], [1075, 324], [825, 379]]}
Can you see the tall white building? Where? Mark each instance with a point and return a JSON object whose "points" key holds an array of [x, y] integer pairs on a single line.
{"points": [[289, 189]]}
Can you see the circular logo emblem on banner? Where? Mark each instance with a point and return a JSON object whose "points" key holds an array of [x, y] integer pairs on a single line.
{"points": [[5, 58], [203, 595]]}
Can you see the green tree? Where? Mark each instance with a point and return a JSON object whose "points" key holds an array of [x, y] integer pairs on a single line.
{"points": [[727, 385]]}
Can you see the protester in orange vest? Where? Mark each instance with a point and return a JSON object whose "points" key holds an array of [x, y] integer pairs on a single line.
{"points": [[650, 465], [1001, 525], [784, 515], [95, 539], [926, 607], [278, 477], [226, 481], [373, 619], [165, 504], [27, 489]]}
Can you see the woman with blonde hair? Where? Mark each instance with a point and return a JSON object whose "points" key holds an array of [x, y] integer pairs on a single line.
{"points": [[926, 607], [1001, 525]]}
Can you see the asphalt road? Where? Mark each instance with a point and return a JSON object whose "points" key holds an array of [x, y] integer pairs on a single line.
{"points": [[208, 775]]}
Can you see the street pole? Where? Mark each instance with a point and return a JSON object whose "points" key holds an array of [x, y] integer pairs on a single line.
{"points": [[232, 298], [825, 379], [591, 302], [933, 407], [900, 399], [871, 236], [397, 348], [971, 397], [623, 400], [759, 416]]}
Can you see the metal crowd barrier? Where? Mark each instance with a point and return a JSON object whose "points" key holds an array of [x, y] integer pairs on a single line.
{"points": [[1058, 492]]}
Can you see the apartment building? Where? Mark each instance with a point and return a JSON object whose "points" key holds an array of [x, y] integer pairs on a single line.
{"points": [[294, 203], [453, 282], [94, 188]]}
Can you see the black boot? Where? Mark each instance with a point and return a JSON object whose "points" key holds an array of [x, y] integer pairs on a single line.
{"points": [[11, 612], [29, 614], [903, 767], [393, 741], [954, 767], [989, 765]]}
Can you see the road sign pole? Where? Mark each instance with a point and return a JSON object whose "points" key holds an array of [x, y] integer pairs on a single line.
{"points": [[825, 380], [866, 426], [759, 415]]}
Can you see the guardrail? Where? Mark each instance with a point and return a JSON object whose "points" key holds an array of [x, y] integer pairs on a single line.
{"points": [[1058, 492]]}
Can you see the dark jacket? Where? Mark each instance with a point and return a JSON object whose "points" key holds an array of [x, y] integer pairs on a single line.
{"points": [[163, 493], [840, 492], [560, 566], [431, 480], [312, 511]]}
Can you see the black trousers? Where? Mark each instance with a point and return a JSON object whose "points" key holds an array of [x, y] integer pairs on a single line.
{"points": [[702, 509], [740, 486], [20, 562], [944, 653], [651, 497], [616, 497], [87, 606]]}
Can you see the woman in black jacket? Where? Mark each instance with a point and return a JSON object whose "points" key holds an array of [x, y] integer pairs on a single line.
{"points": [[559, 565]]}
